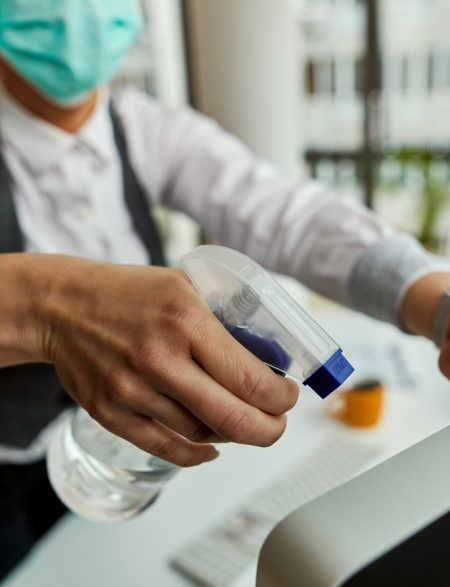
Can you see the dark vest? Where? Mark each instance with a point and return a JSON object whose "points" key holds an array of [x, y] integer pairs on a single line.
{"points": [[32, 395]]}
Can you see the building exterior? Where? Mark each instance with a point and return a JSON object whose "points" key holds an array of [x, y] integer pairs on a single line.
{"points": [[415, 53], [412, 106]]}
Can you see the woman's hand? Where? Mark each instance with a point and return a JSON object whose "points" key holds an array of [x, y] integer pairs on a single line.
{"points": [[419, 307], [139, 349]]}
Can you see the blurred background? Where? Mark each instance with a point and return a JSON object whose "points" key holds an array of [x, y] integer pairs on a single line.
{"points": [[355, 93]]}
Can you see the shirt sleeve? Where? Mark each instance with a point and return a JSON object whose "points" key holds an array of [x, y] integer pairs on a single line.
{"points": [[332, 244]]}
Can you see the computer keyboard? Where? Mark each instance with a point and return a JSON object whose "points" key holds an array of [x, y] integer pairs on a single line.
{"points": [[222, 554]]}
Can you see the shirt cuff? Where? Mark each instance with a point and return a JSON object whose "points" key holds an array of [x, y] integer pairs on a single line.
{"points": [[384, 273]]}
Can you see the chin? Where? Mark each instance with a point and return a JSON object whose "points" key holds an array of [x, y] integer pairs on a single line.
{"points": [[70, 103]]}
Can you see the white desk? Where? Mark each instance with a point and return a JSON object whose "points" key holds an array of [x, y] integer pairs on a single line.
{"points": [[80, 554]]}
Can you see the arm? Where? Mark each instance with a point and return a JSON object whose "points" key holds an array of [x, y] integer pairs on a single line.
{"points": [[19, 316], [298, 228], [141, 352], [334, 246]]}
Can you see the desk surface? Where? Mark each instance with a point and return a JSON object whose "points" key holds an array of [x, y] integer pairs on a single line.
{"points": [[78, 553]]}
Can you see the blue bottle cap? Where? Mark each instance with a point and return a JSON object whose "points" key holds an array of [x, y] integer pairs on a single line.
{"points": [[330, 375]]}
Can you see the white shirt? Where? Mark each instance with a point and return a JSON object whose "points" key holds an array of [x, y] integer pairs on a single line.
{"points": [[69, 199], [69, 196], [68, 188]]}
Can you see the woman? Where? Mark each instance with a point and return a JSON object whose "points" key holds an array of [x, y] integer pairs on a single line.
{"points": [[133, 344]]}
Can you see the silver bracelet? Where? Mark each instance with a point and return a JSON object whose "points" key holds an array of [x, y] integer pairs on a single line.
{"points": [[441, 318]]}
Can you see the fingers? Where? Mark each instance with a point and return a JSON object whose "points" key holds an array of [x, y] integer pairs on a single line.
{"points": [[188, 401], [156, 439], [215, 384], [239, 371], [170, 413], [169, 372], [227, 415]]}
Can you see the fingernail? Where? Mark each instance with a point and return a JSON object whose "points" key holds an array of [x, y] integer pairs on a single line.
{"points": [[212, 457]]}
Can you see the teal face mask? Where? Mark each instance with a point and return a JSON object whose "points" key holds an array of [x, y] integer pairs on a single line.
{"points": [[66, 48]]}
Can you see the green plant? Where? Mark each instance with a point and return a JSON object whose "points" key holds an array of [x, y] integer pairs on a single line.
{"points": [[435, 193]]}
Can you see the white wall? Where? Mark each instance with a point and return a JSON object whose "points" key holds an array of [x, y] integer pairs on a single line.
{"points": [[156, 63], [169, 57], [245, 72]]}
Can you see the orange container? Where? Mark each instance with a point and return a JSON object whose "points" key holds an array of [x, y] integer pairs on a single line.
{"points": [[360, 406]]}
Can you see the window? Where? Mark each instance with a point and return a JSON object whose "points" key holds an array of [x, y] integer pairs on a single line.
{"points": [[333, 43], [377, 103]]}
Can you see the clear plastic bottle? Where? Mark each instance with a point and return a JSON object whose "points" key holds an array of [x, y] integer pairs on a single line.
{"points": [[101, 476], [104, 478]]}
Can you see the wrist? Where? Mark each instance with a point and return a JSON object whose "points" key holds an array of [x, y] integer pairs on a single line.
{"points": [[19, 301], [28, 303], [421, 301]]}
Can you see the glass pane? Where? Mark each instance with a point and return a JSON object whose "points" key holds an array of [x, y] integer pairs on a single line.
{"points": [[414, 174], [333, 45]]}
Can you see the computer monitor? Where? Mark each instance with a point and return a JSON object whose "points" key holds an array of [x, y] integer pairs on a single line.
{"points": [[389, 526]]}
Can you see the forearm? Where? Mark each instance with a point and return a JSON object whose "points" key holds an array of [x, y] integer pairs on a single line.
{"points": [[302, 229], [332, 245], [394, 281], [22, 296]]}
